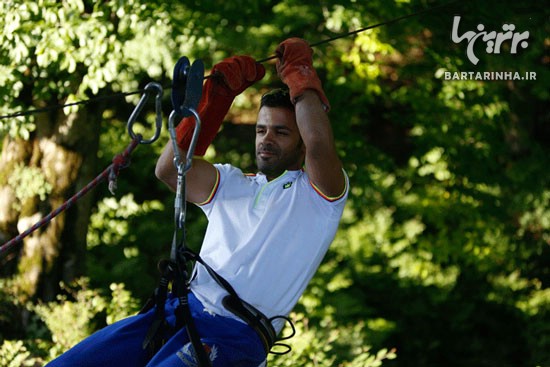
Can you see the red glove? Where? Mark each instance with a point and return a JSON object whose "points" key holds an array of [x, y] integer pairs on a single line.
{"points": [[230, 78], [295, 68]]}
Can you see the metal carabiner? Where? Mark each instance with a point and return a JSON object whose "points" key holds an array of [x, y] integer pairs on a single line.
{"points": [[190, 151], [182, 166], [150, 88]]}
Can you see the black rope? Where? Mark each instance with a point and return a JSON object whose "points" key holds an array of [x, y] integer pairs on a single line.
{"points": [[328, 40], [391, 21], [57, 107]]}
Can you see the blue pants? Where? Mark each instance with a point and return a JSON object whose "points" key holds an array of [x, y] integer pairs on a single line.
{"points": [[229, 343]]}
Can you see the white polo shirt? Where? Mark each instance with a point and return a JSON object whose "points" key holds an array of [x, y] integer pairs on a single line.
{"points": [[267, 239]]}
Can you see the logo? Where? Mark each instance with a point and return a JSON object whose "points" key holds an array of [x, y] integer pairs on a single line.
{"points": [[188, 356], [493, 40], [287, 185]]}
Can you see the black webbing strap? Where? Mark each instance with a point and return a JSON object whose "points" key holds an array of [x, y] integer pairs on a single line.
{"points": [[248, 313], [160, 331], [183, 311], [253, 318]]}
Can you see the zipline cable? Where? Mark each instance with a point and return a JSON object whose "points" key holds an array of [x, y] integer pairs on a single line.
{"points": [[57, 107], [391, 21], [125, 94]]}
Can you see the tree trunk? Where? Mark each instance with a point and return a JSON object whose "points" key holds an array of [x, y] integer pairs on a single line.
{"points": [[36, 177]]}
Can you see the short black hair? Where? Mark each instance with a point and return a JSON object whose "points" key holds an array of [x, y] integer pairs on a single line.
{"points": [[277, 98]]}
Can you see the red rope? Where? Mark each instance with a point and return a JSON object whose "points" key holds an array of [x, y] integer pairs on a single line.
{"points": [[120, 161]]}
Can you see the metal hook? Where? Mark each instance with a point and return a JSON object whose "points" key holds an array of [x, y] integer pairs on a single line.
{"points": [[184, 165], [149, 89]]}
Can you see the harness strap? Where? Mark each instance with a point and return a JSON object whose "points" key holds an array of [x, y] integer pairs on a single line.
{"points": [[160, 331], [184, 318], [183, 311], [254, 318], [245, 311]]}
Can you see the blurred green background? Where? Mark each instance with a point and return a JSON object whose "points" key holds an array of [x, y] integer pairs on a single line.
{"points": [[442, 257]]}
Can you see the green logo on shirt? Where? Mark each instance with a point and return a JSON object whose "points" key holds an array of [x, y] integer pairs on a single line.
{"points": [[287, 185]]}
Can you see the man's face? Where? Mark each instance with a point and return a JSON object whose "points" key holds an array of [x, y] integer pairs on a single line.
{"points": [[279, 146]]}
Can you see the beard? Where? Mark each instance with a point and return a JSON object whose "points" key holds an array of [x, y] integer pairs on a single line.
{"points": [[273, 162]]}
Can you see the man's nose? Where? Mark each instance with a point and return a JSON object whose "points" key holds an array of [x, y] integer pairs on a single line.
{"points": [[268, 136]]}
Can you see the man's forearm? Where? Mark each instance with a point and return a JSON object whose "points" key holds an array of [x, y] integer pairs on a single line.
{"points": [[313, 123]]}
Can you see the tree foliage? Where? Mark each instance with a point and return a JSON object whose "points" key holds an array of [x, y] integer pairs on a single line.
{"points": [[442, 255]]}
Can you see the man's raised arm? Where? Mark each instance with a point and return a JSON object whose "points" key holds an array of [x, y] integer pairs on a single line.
{"points": [[229, 78], [294, 66]]}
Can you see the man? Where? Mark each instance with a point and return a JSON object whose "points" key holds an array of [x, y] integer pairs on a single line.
{"points": [[267, 232]]}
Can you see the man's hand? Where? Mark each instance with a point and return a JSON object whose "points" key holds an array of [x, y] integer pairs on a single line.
{"points": [[234, 74], [230, 78], [295, 68]]}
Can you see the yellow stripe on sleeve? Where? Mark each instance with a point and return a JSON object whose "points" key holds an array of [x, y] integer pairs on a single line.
{"points": [[214, 189], [326, 197]]}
